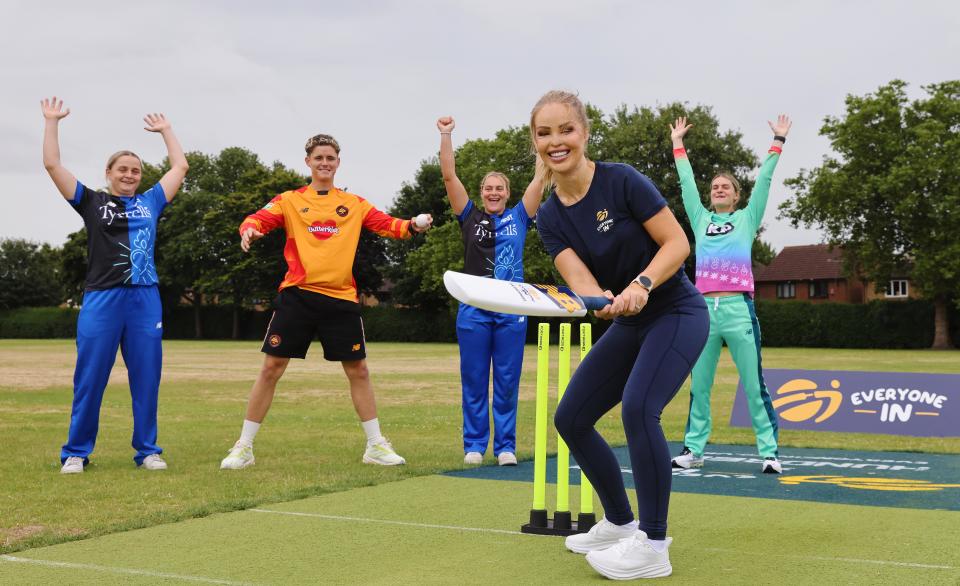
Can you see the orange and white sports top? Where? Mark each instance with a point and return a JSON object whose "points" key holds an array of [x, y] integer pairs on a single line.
{"points": [[322, 236]]}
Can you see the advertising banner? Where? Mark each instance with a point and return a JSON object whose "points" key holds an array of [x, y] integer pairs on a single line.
{"points": [[899, 403]]}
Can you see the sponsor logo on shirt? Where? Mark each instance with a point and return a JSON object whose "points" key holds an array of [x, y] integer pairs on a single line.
{"points": [[342, 211], [714, 230], [323, 230], [304, 210], [109, 215], [602, 215]]}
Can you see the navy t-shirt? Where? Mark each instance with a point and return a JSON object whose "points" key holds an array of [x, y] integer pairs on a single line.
{"points": [[493, 245], [605, 229], [121, 234]]}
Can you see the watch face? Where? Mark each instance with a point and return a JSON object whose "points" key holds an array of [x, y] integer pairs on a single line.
{"points": [[644, 282]]}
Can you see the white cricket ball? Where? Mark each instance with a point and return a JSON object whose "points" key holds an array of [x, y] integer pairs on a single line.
{"points": [[422, 221]]}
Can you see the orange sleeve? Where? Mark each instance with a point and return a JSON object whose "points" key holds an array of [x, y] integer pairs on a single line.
{"points": [[386, 225], [267, 218]]}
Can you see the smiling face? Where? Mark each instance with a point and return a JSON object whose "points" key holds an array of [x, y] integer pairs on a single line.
{"points": [[495, 191], [323, 161], [560, 137], [724, 193], [124, 172]]}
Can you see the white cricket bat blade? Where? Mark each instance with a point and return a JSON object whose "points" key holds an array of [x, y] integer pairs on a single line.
{"points": [[518, 298]]}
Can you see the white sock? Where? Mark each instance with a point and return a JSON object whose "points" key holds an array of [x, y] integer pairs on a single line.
{"points": [[249, 431], [372, 429], [658, 545]]}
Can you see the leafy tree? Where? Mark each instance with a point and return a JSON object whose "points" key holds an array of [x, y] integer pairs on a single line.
{"points": [[73, 266], [890, 196], [29, 274]]}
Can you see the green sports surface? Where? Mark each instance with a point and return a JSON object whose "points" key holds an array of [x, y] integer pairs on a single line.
{"points": [[115, 524], [447, 530]]}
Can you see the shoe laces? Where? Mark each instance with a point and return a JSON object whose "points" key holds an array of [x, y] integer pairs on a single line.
{"points": [[628, 543], [384, 444], [73, 460]]}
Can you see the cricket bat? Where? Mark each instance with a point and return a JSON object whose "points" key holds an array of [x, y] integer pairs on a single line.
{"points": [[519, 298]]}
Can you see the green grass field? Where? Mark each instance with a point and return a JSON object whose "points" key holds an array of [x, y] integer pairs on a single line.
{"points": [[310, 446]]}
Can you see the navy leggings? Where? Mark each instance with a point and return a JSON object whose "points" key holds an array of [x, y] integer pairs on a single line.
{"points": [[642, 365]]}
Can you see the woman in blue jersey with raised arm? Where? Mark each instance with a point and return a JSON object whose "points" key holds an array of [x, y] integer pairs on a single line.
{"points": [[724, 238], [493, 240], [610, 231], [121, 303]]}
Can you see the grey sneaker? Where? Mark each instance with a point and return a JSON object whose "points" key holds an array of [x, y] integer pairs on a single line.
{"points": [[687, 460]]}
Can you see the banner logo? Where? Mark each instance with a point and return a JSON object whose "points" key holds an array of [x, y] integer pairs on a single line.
{"points": [[868, 483], [812, 402]]}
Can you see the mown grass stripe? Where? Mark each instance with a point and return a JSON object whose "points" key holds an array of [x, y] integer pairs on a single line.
{"points": [[125, 571]]}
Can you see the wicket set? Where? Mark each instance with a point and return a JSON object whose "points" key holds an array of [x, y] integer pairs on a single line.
{"points": [[561, 524]]}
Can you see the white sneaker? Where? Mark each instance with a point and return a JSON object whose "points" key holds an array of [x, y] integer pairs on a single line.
{"points": [[240, 456], [507, 459], [772, 466], [601, 536], [687, 460], [382, 453], [153, 462], [473, 458], [632, 558], [72, 465]]}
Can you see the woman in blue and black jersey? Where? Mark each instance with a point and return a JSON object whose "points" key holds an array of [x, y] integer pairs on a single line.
{"points": [[493, 239], [121, 304], [610, 233]]}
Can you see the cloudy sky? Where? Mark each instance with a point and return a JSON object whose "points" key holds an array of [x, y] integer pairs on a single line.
{"points": [[377, 75]]}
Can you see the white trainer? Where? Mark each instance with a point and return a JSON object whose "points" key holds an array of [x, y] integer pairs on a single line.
{"points": [[601, 536], [687, 460], [632, 558], [382, 453], [772, 466], [240, 456], [473, 458], [153, 462], [72, 465], [507, 459]]}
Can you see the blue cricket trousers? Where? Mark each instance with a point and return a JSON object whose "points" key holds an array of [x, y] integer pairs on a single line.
{"points": [[487, 337], [642, 365], [129, 317]]}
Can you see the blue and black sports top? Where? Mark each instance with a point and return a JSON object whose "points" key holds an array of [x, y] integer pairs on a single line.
{"points": [[121, 234], [605, 229], [494, 244]]}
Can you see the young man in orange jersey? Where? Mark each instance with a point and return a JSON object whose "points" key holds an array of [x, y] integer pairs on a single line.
{"points": [[318, 295]]}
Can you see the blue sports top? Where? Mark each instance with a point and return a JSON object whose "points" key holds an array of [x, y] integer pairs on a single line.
{"points": [[493, 245], [121, 234], [605, 229]]}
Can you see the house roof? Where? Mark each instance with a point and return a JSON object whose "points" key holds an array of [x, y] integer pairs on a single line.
{"points": [[804, 263]]}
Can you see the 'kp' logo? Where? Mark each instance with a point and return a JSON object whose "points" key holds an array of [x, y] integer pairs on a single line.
{"points": [[812, 402], [323, 230]]}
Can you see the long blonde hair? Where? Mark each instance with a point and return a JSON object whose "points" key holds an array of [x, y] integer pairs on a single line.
{"points": [[568, 99]]}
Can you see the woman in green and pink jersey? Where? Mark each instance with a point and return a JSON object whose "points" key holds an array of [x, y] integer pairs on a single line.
{"points": [[724, 235]]}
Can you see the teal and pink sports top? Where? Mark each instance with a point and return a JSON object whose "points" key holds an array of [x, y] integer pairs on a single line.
{"points": [[724, 241]]}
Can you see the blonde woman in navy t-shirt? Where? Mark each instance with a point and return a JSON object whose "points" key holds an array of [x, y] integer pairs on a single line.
{"points": [[121, 303], [610, 233], [493, 240]]}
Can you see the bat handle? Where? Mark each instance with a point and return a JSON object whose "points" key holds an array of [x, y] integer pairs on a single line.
{"points": [[596, 302]]}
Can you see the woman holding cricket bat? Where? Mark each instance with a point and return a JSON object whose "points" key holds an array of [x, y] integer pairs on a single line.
{"points": [[493, 239], [724, 237], [610, 233]]}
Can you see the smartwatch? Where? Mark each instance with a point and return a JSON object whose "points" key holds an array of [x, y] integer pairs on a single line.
{"points": [[644, 281]]}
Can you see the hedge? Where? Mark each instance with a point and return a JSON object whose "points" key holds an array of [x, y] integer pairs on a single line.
{"points": [[878, 324]]}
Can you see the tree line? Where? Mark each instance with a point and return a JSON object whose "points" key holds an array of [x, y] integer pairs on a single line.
{"points": [[890, 195]]}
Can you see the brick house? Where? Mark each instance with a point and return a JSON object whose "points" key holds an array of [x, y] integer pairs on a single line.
{"points": [[814, 273]]}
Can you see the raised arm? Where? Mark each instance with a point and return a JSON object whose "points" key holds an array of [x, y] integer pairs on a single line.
{"points": [[172, 179], [534, 193], [456, 192], [692, 203], [761, 190], [53, 112]]}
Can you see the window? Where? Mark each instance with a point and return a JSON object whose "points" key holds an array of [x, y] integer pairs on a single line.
{"points": [[897, 288], [819, 290], [786, 290]]}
